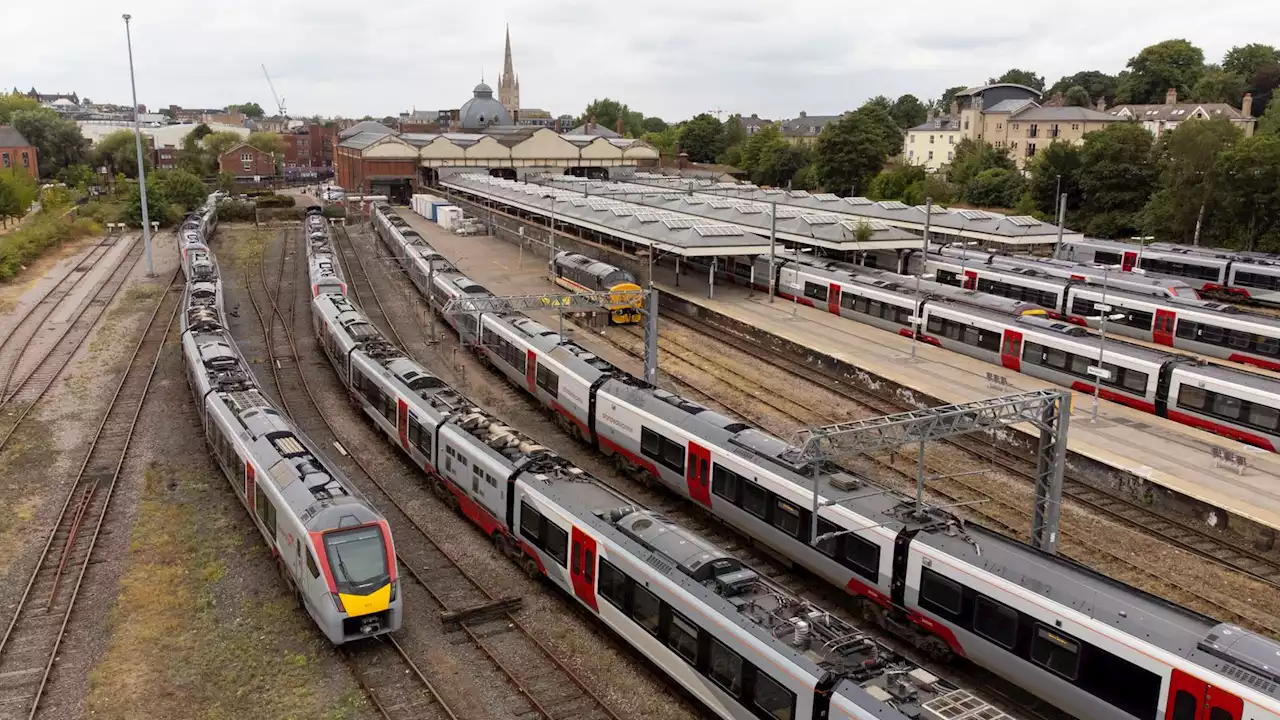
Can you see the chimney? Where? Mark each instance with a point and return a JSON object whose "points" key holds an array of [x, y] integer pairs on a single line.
{"points": [[558, 130], [1246, 105], [755, 116], [1171, 97], [928, 116], [682, 160], [619, 128], [803, 113], [955, 107], [1102, 104], [1056, 101]]}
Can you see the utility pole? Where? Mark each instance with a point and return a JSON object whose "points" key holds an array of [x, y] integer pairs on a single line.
{"points": [[915, 316], [1062, 218], [773, 243], [137, 136]]}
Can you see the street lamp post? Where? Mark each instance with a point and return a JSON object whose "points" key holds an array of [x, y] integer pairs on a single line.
{"points": [[915, 316], [1104, 314], [137, 136]]}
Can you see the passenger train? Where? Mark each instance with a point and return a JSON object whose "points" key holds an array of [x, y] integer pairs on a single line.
{"points": [[578, 273], [1236, 275], [1152, 310], [1234, 403], [1090, 645], [332, 548]]}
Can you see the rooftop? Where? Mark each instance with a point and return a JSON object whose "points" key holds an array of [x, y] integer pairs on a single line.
{"points": [[1068, 114], [10, 137], [366, 126]]}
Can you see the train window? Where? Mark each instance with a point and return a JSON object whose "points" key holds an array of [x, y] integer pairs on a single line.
{"points": [[1267, 345], [948, 277], [556, 542], [589, 565], [1056, 358], [1226, 406], [935, 324], [815, 291], [548, 380], [995, 621], [1212, 334], [613, 584], [1185, 706], [1188, 329], [645, 608], [863, 305], [952, 329], [311, 565], [862, 556], [971, 336], [940, 593], [828, 546], [418, 438], [1192, 397], [1138, 319], [1080, 365], [1032, 353], [775, 700], [988, 340], [530, 520], [1263, 416], [1055, 652], [755, 499], [725, 483], [1105, 257], [1134, 380], [1238, 339], [1219, 714], [665, 451], [725, 668], [874, 308], [786, 517], [682, 636]]}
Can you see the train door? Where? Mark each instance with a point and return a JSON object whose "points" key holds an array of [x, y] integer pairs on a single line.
{"points": [[1011, 350], [833, 299], [402, 422], [970, 279], [1128, 262], [582, 567], [250, 486], [698, 472], [1162, 330], [531, 371], [1191, 698]]}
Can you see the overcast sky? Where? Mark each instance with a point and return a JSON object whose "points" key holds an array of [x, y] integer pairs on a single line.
{"points": [[671, 58]]}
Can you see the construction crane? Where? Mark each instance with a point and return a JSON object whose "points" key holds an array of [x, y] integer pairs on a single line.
{"points": [[279, 100]]}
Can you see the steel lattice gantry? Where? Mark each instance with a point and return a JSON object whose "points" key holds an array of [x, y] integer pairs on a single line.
{"points": [[572, 302], [1047, 410]]}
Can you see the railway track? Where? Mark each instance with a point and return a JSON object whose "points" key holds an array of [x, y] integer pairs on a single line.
{"points": [[361, 287], [24, 395], [380, 667], [13, 345], [1084, 548], [29, 646], [543, 686]]}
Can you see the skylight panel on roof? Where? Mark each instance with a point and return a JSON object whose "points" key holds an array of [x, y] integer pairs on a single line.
{"points": [[718, 230], [1023, 221], [726, 186], [773, 191], [722, 204], [679, 223], [892, 205], [672, 196], [750, 208], [625, 210], [821, 219], [603, 203], [857, 200], [789, 212], [826, 197], [648, 216], [694, 200], [853, 225], [935, 209], [578, 201], [976, 214], [798, 193]]}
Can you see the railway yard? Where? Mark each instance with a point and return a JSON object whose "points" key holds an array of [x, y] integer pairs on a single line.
{"points": [[134, 583]]}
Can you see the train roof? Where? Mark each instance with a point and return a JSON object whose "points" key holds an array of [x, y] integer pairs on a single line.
{"points": [[586, 264], [1056, 271], [1235, 376]]}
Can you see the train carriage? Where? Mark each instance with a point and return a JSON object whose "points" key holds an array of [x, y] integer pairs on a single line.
{"points": [[578, 273], [1240, 406]]}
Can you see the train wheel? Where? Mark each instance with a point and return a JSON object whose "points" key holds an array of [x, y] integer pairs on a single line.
{"points": [[934, 647], [500, 543], [530, 566], [622, 463]]}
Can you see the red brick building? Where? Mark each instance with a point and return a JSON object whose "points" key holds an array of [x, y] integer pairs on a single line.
{"points": [[165, 158], [247, 161], [368, 163], [297, 150], [17, 153]]}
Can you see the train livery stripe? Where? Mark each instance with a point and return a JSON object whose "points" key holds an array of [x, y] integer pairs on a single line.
{"points": [[1254, 361], [322, 559], [1113, 396], [1219, 428]]}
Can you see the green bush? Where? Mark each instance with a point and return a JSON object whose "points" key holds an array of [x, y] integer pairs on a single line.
{"points": [[236, 211], [102, 212], [280, 213], [21, 247], [335, 211], [272, 200]]}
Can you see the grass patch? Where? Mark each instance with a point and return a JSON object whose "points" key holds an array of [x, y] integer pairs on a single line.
{"points": [[191, 637], [24, 470], [244, 247], [43, 232]]}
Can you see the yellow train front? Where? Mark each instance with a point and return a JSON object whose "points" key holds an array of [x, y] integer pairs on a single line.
{"points": [[578, 273]]}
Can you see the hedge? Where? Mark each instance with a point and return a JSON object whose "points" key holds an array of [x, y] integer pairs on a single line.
{"points": [[20, 247]]}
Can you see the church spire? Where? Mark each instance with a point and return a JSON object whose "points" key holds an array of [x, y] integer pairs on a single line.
{"points": [[509, 82], [506, 64]]}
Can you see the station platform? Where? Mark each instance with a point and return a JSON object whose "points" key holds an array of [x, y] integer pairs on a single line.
{"points": [[1167, 454]]}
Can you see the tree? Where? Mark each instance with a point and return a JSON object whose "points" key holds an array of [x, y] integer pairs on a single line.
{"points": [[1269, 123], [14, 102], [8, 203], [1250, 204], [908, 111], [1077, 96], [996, 187], [252, 110], [852, 150], [770, 159], [932, 187], [972, 157], [943, 105], [219, 142], [118, 151], [892, 184], [17, 192], [1190, 180], [702, 138], [1247, 60], [1020, 77], [181, 188], [653, 124], [226, 181], [200, 131], [734, 135], [666, 141], [267, 142], [881, 101], [1053, 171], [79, 177], [1098, 84], [606, 113], [1170, 64], [57, 140], [159, 208], [1217, 85], [1117, 177]]}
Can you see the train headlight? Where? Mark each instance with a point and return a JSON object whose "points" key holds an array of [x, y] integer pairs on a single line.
{"points": [[337, 602], [395, 589]]}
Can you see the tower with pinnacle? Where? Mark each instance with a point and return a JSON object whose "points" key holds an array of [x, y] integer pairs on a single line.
{"points": [[509, 83]]}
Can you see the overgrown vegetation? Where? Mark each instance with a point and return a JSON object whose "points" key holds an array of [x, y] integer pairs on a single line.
{"points": [[196, 632], [43, 232]]}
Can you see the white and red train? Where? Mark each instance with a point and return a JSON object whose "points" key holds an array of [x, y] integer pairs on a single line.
{"points": [[333, 550], [1237, 275], [1092, 646]]}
